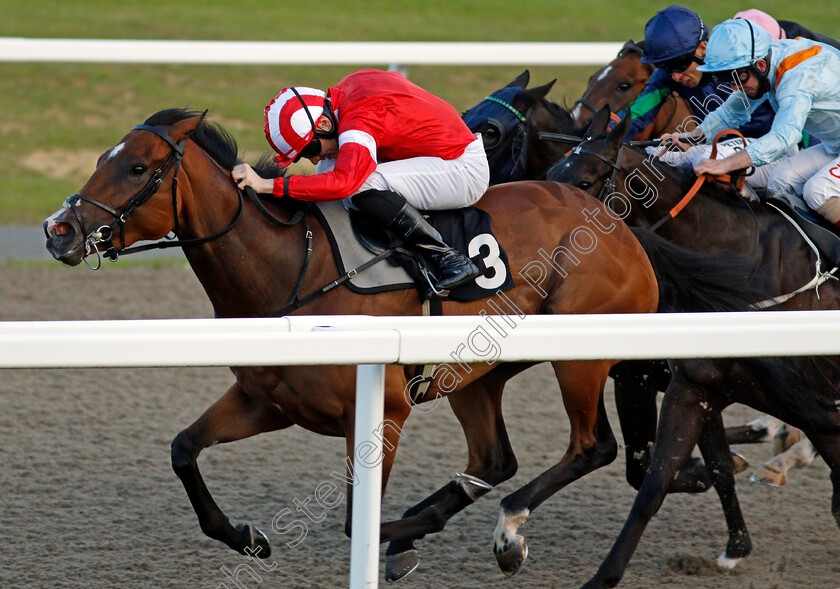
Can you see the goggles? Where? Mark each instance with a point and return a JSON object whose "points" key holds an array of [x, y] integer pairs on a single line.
{"points": [[679, 64], [729, 76], [312, 149]]}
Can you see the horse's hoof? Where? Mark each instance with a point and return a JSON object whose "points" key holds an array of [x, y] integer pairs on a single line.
{"points": [[726, 562], [257, 542], [770, 476], [400, 565], [741, 463], [512, 556]]}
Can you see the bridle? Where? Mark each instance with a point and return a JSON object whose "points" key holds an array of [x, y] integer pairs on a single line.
{"points": [[514, 129], [104, 234], [609, 185]]}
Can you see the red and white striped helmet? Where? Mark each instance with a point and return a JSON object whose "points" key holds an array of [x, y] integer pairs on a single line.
{"points": [[287, 126]]}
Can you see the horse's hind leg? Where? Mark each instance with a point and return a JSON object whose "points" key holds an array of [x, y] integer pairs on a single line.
{"points": [[721, 468], [635, 400], [233, 417], [592, 446], [828, 446], [491, 460]]}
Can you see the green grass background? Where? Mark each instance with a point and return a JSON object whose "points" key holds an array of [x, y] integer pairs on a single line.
{"points": [[55, 118]]}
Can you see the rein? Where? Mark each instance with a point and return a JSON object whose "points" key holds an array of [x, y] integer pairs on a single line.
{"points": [[701, 179]]}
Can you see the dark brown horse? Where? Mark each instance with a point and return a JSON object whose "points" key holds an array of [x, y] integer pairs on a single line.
{"points": [[511, 120], [644, 192], [249, 267]]}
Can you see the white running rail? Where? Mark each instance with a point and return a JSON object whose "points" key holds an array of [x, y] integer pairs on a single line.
{"points": [[373, 342], [20, 49]]}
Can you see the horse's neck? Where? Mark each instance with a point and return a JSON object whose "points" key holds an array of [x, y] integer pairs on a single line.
{"points": [[544, 153], [251, 270]]}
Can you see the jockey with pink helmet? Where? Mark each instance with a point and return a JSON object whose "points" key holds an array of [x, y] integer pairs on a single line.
{"points": [[387, 145]]}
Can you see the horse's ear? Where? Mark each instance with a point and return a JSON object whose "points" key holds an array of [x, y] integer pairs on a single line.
{"points": [[599, 122], [183, 129], [619, 132], [520, 81], [540, 92]]}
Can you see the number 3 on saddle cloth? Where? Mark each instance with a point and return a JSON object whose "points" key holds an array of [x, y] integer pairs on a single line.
{"points": [[354, 241]]}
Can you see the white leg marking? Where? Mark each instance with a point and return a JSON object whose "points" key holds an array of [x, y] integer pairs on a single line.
{"points": [[725, 562], [506, 529]]}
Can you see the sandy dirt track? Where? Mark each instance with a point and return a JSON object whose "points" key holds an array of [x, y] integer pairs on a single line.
{"points": [[88, 498]]}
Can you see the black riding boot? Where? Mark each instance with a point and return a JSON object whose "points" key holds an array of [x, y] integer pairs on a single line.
{"points": [[390, 208]]}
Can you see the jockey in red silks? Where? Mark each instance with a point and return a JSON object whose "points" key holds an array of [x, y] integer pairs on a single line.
{"points": [[386, 145]]}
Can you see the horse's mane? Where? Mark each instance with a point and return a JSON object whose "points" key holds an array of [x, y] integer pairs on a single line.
{"points": [[560, 112], [215, 140]]}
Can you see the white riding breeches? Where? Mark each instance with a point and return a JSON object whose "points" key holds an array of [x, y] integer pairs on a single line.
{"points": [[431, 183], [815, 175], [691, 156]]}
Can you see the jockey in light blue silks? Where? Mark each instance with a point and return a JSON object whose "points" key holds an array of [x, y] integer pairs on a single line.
{"points": [[801, 80]]}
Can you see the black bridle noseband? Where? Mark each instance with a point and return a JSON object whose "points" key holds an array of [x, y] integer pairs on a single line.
{"points": [[104, 234]]}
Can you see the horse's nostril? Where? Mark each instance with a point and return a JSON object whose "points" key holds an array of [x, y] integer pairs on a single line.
{"points": [[62, 229]]}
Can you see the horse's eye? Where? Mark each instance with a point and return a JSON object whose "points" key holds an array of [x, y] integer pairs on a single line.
{"points": [[491, 137], [584, 185], [624, 86], [137, 170]]}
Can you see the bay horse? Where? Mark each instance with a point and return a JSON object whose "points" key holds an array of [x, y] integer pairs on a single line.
{"points": [[619, 83], [616, 85], [172, 174], [644, 192]]}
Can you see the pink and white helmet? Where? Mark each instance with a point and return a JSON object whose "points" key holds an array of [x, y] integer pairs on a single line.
{"points": [[288, 128]]}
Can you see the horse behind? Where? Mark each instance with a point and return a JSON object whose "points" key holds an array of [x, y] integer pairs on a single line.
{"points": [[645, 192], [173, 174], [513, 120], [616, 85]]}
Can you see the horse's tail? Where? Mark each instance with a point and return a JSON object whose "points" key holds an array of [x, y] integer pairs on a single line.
{"points": [[695, 282]]}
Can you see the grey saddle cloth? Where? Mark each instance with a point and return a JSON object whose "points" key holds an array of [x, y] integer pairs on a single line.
{"points": [[350, 253]]}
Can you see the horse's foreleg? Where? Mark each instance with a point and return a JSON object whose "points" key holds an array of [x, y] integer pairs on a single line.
{"points": [[592, 446], [721, 467], [491, 461], [233, 417], [681, 420]]}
